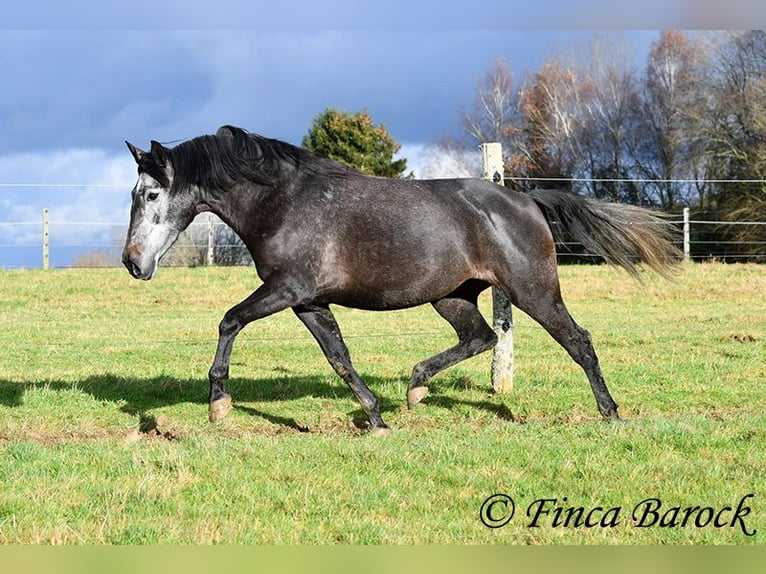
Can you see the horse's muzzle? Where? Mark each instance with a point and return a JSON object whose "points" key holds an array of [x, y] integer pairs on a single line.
{"points": [[131, 266], [134, 268]]}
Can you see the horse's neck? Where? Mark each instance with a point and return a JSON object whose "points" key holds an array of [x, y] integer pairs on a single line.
{"points": [[249, 209]]}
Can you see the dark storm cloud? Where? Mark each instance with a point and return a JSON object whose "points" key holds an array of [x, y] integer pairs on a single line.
{"points": [[75, 89], [83, 89]]}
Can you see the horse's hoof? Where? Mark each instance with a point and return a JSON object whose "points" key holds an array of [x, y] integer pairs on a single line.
{"points": [[414, 396], [381, 431], [615, 419], [219, 409]]}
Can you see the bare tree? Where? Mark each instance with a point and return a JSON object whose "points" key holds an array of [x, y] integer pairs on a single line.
{"points": [[608, 97], [735, 125], [735, 118], [551, 123], [495, 116], [98, 258], [579, 116], [668, 146]]}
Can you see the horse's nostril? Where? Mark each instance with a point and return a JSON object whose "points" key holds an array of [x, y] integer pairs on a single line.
{"points": [[131, 266]]}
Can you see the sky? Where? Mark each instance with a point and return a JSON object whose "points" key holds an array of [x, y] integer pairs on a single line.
{"points": [[78, 80]]}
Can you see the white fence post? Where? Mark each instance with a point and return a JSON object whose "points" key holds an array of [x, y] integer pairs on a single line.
{"points": [[210, 240], [687, 235], [502, 318], [46, 240]]}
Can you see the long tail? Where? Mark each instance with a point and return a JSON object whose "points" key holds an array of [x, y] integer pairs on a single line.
{"points": [[624, 235]]}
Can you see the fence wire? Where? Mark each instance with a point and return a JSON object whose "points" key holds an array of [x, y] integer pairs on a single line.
{"points": [[71, 241], [77, 238]]}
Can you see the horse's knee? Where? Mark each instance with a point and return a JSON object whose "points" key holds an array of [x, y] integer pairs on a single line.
{"points": [[585, 335], [340, 366]]}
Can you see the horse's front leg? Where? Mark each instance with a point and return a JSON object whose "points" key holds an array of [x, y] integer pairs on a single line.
{"points": [[322, 324], [271, 297]]}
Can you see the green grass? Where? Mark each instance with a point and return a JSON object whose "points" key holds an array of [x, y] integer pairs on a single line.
{"points": [[104, 435]]}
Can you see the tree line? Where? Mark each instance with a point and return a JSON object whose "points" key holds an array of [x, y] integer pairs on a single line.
{"points": [[687, 130]]}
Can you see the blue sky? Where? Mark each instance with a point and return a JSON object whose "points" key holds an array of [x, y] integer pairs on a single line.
{"points": [[78, 80], [75, 89]]}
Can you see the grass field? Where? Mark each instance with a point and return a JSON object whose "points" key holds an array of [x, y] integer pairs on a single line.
{"points": [[104, 435]]}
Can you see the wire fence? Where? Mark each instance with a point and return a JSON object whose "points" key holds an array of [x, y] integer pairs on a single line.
{"points": [[49, 242], [700, 240], [61, 237]]}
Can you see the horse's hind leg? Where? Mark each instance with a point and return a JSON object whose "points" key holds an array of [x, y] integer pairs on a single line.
{"points": [[538, 294], [474, 336]]}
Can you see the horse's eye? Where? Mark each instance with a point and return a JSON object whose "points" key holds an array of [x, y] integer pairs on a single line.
{"points": [[152, 196]]}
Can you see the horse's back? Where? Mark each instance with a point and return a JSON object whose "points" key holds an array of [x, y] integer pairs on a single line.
{"points": [[475, 213], [463, 201]]}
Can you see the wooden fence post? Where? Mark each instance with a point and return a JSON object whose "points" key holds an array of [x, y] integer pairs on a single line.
{"points": [[502, 318], [687, 238], [46, 240], [210, 258]]}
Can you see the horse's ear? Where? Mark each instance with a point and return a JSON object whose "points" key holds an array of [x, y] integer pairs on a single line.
{"points": [[227, 131], [138, 154], [159, 154]]}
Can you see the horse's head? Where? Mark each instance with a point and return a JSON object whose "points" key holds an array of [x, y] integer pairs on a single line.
{"points": [[157, 215]]}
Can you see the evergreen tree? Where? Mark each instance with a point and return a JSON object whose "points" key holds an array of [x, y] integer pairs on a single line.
{"points": [[355, 140]]}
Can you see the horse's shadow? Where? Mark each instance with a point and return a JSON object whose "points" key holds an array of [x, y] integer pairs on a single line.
{"points": [[142, 396]]}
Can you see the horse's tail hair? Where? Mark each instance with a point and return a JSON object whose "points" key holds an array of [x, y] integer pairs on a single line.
{"points": [[624, 235]]}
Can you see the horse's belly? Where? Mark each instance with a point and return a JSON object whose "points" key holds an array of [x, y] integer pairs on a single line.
{"points": [[396, 288]]}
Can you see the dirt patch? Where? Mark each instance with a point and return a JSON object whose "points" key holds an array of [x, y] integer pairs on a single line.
{"points": [[157, 428], [289, 429], [739, 338]]}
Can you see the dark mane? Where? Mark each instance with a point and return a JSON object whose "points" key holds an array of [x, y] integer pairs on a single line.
{"points": [[234, 155]]}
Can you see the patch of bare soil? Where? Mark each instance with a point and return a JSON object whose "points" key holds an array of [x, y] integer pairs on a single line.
{"points": [[154, 428], [739, 338]]}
